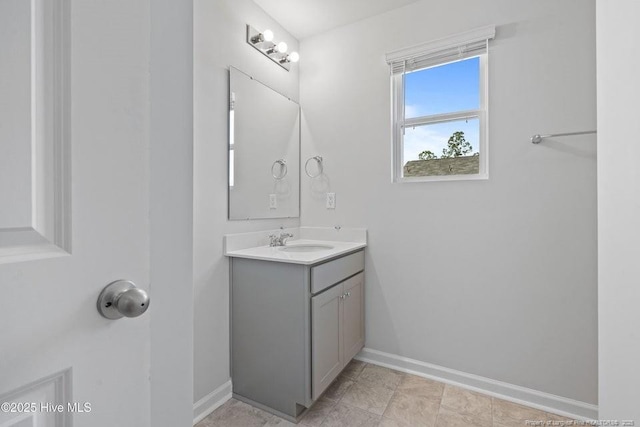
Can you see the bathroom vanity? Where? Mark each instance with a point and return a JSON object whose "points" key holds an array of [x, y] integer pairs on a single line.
{"points": [[297, 319]]}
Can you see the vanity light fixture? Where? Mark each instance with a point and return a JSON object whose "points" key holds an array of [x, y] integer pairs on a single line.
{"points": [[292, 57], [276, 51], [265, 36], [279, 48]]}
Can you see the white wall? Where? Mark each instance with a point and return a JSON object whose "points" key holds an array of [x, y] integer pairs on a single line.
{"points": [[219, 41], [618, 209], [498, 277]]}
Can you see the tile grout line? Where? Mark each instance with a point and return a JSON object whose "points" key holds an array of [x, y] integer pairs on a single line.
{"points": [[337, 402], [356, 382], [393, 395], [439, 406], [435, 423], [493, 422], [395, 392]]}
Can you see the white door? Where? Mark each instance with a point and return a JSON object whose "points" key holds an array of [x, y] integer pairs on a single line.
{"points": [[74, 179]]}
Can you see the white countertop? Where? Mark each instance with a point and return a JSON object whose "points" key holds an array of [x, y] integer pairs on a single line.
{"points": [[268, 253]]}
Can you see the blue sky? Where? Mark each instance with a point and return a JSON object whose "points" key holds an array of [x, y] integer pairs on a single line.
{"points": [[443, 89]]}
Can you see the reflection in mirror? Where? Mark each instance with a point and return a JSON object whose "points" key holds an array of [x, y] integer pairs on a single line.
{"points": [[264, 151]]}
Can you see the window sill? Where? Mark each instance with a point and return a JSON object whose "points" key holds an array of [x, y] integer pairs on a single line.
{"points": [[440, 178]]}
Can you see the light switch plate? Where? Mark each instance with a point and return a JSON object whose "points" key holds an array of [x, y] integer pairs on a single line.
{"points": [[331, 200], [273, 201]]}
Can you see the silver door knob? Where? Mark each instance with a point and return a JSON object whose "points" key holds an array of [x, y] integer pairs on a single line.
{"points": [[122, 298]]}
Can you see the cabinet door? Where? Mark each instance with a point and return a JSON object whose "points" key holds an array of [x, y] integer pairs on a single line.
{"points": [[326, 339], [353, 316]]}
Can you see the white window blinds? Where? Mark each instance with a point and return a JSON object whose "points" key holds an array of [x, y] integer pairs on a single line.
{"points": [[453, 48]]}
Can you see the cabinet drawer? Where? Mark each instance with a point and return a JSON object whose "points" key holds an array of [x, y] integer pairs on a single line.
{"points": [[332, 272]]}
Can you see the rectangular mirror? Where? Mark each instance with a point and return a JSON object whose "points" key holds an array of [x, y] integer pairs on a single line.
{"points": [[264, 151]]}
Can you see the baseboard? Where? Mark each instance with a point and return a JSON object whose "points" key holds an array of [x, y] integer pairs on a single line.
{"points": [[522, 395], [211, 402]]}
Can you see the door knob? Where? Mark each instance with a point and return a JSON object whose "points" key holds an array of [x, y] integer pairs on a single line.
{"points": [[122, 298]]}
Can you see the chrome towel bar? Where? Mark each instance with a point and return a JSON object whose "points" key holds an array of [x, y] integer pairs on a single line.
{"points": [[537, 139]]}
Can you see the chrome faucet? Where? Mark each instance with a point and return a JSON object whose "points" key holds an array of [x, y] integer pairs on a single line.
{"points": [[280, 240], [284, 237]]}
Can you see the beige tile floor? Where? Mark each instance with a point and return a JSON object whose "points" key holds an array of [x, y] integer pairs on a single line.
{"points": [[369, 395]]}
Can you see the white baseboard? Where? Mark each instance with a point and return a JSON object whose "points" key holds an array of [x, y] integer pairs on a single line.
{"points": [[211, 402], [522, 395]]}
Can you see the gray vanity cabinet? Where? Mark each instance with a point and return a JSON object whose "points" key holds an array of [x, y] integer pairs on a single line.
{"points": [[294, 328], [327, 336], [337, 331], [353, 317]]}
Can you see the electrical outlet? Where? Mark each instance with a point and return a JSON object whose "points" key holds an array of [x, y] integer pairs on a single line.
{"points": [[273, 201], [331, 200]]}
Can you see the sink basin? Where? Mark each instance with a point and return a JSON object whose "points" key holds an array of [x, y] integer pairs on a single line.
{"points": [[306, 248]]}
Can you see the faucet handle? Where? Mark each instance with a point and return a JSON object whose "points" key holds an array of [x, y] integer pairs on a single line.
{"points": [[273, 240], [284, 237]]}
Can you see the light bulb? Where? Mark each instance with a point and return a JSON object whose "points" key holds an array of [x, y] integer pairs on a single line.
{"points": [[282, 47], [267, 35], [294, 57]]}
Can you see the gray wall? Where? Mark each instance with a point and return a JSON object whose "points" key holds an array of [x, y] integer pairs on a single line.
{"points": [[618, 209], [219, 41], [496, 277]]}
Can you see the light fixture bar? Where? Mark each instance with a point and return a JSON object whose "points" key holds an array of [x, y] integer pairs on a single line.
{"points": [[277, 52]]}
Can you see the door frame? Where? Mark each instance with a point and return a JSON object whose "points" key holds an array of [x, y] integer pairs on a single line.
{"points": [[171, 211]]}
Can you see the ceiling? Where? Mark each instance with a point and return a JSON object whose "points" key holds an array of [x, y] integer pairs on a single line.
{"points": [[304, 18]]}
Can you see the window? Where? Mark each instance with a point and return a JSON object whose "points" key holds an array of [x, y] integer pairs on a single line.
{"points": [[440, 108]]}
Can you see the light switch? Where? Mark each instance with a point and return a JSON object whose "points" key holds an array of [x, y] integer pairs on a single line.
{"points": [[273, 201]]}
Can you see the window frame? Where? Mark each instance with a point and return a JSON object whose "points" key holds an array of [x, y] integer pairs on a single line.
{"points": [[399, 123]]}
